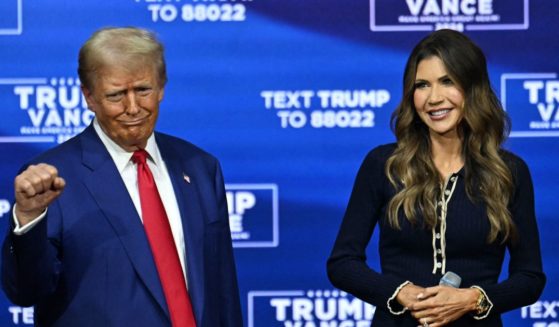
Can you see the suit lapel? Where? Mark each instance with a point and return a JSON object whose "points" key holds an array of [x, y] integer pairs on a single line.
{"points": [[107, 188], [183, 177]]}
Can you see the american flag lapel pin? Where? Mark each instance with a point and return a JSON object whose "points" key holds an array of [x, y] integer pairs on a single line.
{"points": [[186, 178]]}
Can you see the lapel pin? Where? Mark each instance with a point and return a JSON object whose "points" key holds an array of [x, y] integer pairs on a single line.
{"points": [[186, 178]]}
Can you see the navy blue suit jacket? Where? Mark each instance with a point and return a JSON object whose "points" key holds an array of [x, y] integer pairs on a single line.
{"points": [[88, 263]]}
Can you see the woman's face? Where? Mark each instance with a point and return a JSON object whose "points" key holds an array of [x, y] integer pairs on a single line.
{"points": [[439, 102]]}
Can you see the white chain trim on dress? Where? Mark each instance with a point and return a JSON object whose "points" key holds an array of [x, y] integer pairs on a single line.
{"points": [[393, 298], [445, 198]]}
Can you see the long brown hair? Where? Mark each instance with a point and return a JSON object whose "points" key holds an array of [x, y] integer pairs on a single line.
{"points": [[483, 129]]}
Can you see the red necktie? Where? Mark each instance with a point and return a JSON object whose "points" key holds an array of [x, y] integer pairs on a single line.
{"points": [[163, 246]]}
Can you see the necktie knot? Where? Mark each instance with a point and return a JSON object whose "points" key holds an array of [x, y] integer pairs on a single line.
{"points": [[139, 156]]}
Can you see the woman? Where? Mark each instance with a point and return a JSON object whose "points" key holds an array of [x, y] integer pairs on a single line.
{"points": [[446, 197]]}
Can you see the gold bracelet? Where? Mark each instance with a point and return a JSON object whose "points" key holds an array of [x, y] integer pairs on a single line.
{"points": [[482, 305]]}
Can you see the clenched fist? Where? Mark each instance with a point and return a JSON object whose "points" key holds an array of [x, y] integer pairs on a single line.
{"points": [[36, 188]]}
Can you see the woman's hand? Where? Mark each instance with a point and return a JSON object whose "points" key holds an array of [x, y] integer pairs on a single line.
{"points": [[408, 295], [440, 305]]}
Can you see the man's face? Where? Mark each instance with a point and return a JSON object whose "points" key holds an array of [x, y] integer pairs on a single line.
{"points": [[126, 103]]}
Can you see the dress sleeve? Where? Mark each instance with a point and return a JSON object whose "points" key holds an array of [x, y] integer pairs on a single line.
{"points": [[526, 279], [347, 267]]}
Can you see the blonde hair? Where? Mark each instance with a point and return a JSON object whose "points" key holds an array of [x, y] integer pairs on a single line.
{"points": [[131, 45]]}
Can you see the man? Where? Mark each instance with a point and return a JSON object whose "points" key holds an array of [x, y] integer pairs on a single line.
{"points": [[121, 225]]}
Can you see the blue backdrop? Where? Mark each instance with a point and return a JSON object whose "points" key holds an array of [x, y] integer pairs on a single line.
{"points": [[290, 96]]}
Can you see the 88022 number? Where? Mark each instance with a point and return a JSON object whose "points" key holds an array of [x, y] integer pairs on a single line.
{"points": [[213, 12], [342, 119]]}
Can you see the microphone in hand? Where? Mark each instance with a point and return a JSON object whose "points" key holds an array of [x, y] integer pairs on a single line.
{"points": [[450, 279]]}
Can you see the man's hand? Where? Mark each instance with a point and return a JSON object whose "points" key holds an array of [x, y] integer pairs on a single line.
{"points": [[36, 188], [440, 305]]}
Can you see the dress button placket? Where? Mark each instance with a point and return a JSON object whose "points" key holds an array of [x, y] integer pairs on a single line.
{"points": [[440, 228]]}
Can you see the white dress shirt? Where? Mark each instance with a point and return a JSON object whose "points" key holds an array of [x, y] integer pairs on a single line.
{"points": [[128, 172]]}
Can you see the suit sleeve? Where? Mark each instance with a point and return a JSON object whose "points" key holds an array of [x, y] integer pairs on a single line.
{"points": [[30, 262], [526, 279], [231, 307], [347, 267]]}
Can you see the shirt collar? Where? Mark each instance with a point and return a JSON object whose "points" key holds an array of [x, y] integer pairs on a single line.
{"points": [[122, 157]]}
